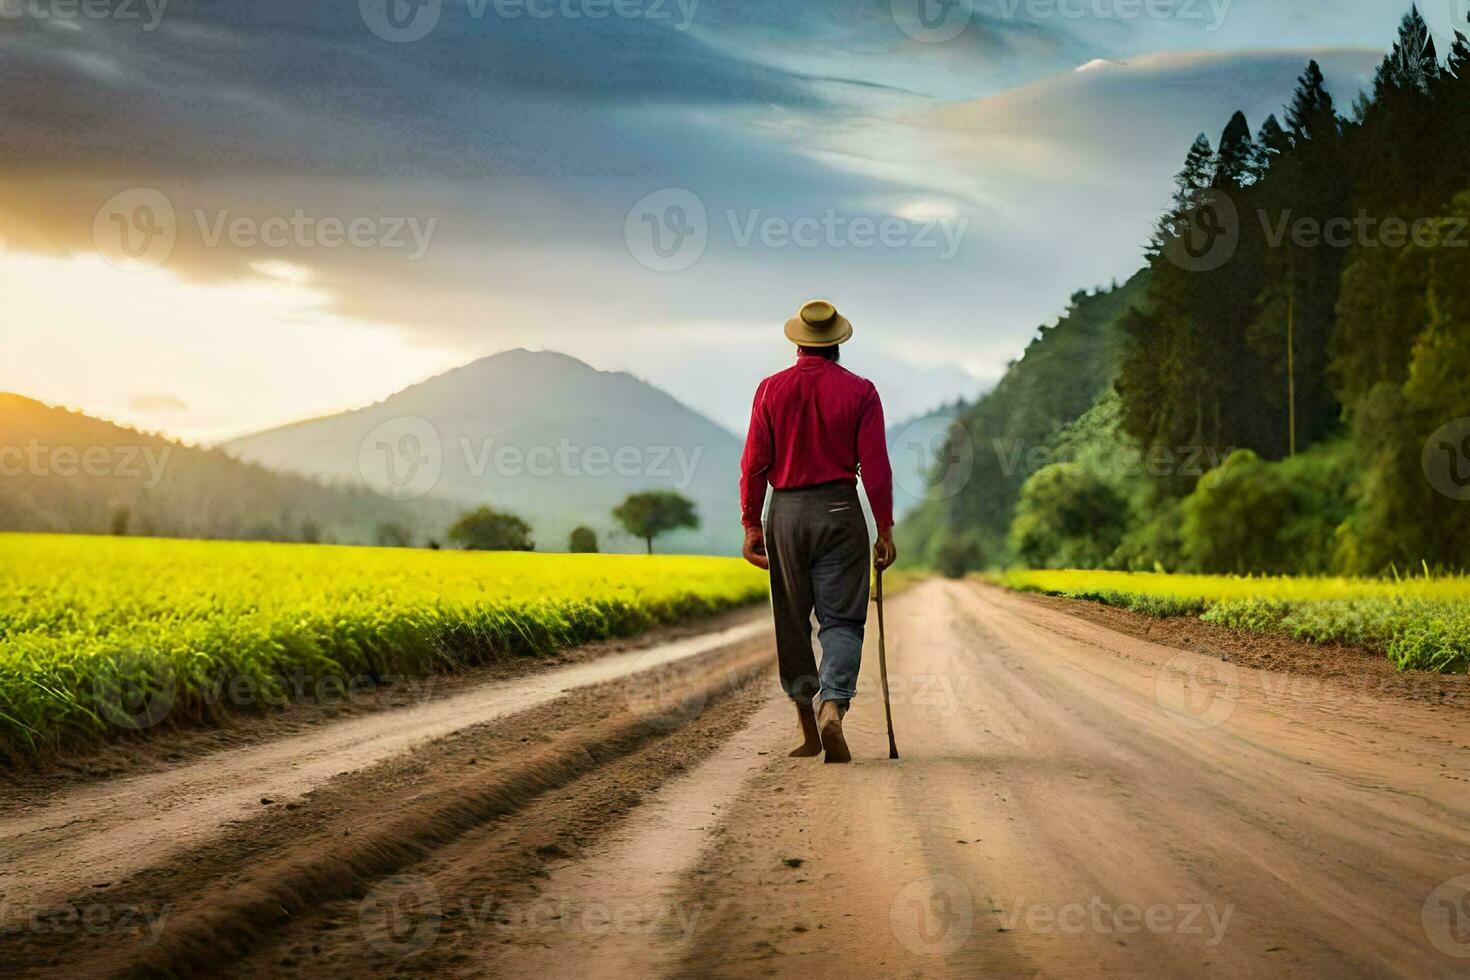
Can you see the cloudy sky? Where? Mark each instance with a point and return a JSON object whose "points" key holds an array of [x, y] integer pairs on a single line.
{"points": [[219, 215]]}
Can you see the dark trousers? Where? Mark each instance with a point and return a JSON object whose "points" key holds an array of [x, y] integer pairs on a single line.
{"points": [[817, 542]]}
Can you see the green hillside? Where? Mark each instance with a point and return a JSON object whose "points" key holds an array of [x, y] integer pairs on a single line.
{"points": [[64, 471], [1013, 430]]}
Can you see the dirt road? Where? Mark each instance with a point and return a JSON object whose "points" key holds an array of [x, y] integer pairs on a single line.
{"points": [[1072, 801]]}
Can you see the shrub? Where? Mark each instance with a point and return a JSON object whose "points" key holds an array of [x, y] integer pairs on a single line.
{"points": [[1251, 516], [484, 529], [1068, 517]]}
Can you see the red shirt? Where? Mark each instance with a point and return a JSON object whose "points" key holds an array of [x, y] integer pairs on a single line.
{"points": [[815, 422]]}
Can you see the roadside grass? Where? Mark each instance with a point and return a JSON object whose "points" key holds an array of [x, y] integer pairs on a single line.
{"points": [[99, 636], [1419, 623]]}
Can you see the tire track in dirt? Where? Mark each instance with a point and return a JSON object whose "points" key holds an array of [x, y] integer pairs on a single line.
{"points": [[222, 898], [605, 905], [111, 829]]}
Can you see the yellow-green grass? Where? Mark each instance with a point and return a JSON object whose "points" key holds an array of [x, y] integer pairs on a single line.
{"points": [[1420, 623], [100, 635]]}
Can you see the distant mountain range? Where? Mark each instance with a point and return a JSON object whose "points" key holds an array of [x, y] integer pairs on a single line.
{"points": [[540, 434], [64, 471]]}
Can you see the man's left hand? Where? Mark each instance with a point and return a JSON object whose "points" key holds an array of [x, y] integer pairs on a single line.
{"points": [[884, 551]]}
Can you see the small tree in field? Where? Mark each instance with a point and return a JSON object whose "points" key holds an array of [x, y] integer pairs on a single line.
{"points": [[647, 515], [484, 529], [583, 541]]}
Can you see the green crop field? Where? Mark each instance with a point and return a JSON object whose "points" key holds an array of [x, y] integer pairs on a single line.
{"points": [[1420, 623], [100, 635]]}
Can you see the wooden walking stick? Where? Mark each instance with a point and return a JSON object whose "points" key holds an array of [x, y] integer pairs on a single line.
{"points": [[883, 668]]}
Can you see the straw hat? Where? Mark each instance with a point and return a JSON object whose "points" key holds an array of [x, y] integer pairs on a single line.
{"points": [[818, 325]]}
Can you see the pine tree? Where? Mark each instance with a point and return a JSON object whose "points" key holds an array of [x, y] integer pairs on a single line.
{"points": [[1312, 114], [1415, 59], [1189, 189], [1235, 162], [1410, 69], [1270, 143]]}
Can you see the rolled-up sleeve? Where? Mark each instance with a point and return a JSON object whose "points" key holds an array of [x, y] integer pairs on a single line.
{"points": [[873, 465], [755, 462]]}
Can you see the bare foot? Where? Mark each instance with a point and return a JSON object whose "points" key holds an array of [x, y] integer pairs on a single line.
{"points": [[811, 741], [829, 723]]}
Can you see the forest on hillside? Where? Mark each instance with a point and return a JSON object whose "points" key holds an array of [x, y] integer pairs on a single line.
{"points": [[68, 472], [1282, 389]]}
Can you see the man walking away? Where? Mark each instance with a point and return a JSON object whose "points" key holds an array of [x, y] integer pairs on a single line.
{"points": [[814, 429]]}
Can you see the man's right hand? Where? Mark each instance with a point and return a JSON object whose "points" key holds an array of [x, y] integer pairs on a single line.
{"points": [[755, 548]]}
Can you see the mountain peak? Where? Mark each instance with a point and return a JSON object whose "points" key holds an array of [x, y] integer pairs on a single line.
{"points": [[539, 433]]}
